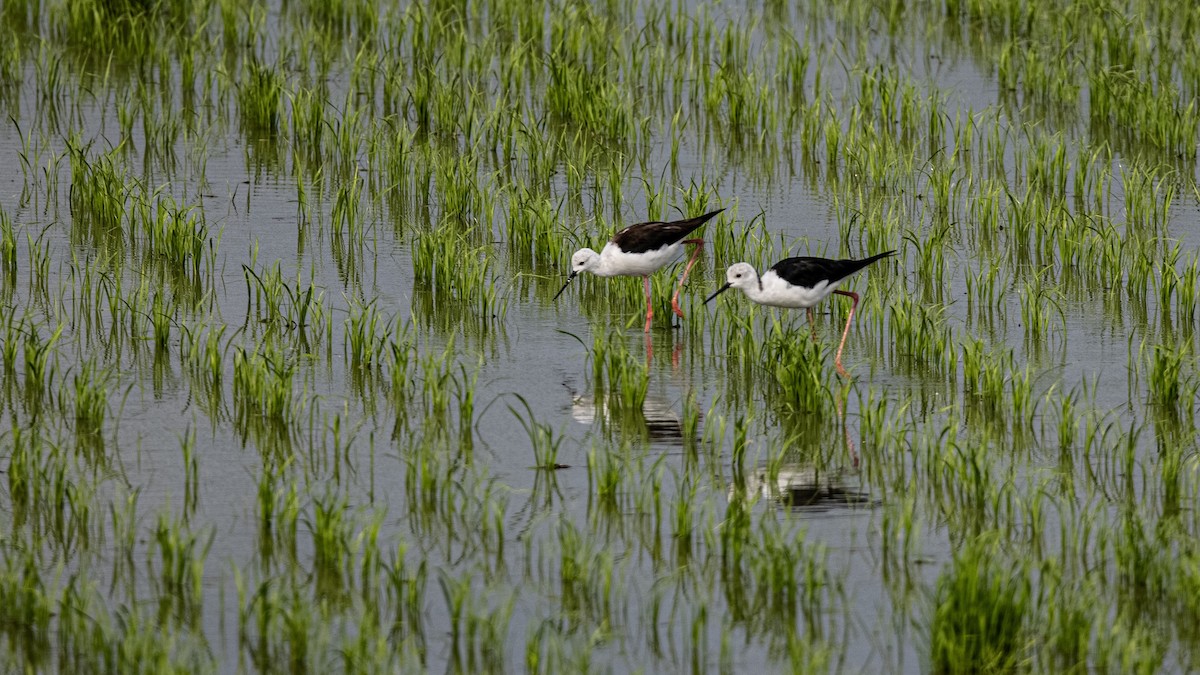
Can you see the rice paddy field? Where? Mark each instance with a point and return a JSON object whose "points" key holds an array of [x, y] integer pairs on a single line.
{"points": [[284, 386]]}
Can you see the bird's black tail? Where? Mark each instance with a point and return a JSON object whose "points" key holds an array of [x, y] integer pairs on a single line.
{"points": [[850, 266], [685, 227]]}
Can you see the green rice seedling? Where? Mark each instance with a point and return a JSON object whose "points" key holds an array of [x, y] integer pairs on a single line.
{"points": [[178, 587], [191, 473], [91, 404], [465, 386], [1170, 386], [534, 237], [401, 354], [41, 363], [28, 608], [202, 353], [345, 217], [455, 279], [8, 253], [278, 509], [265, 296], [39, 269], [931, 263], [477, 632], [581, 95], [437, 374], [1141, 571], [604, 484], [985, 375], [331, 536], [980, 612], [100, 189], [1071, 620], [586, 580], [620, 379], [690, 426], [364, 343], [262, 385], [1187, 290], [161, 322], [10, 66], [1168, 279], [1141, 112], [921, 338], [456, 180], [1131, 646], [162, 132], [798, 366], [986, 294], [1039, 305], [177, 238], [309, 122], [1148, 200], [259, 94]]}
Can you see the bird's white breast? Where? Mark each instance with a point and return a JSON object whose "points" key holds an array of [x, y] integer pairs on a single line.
{"points": [[614, 261], [779, 293]]}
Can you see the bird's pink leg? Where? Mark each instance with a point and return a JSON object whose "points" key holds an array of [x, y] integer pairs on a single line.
{"points": [[846, 331], [649, 307], [812, 326], [688, 268]]}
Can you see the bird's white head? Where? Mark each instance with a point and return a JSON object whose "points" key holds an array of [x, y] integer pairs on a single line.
{"points": [[584, 260], [740, 275]]}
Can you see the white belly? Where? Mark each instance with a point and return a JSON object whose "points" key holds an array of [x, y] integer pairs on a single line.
{"points": [[614, 262], [778, 293]]}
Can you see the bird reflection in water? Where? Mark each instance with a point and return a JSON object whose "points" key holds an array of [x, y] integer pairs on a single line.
{"points": [[657, 420], [804, 488]]}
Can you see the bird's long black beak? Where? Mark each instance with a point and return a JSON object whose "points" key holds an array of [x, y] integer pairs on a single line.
{"points": [[570, 278], [719, 291]]}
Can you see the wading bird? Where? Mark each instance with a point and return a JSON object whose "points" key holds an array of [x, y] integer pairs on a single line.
{"points": [[799, 282], [639, 251]]}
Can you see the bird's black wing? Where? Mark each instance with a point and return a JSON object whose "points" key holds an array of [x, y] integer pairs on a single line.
{"points": [[654, 235], [809, 272]]}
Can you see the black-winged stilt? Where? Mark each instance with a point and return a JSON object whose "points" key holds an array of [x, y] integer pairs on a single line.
{"points": [[639, 251], [799, 282]]}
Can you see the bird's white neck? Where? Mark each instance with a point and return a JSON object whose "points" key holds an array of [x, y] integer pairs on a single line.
{"points": [[754, 288]]}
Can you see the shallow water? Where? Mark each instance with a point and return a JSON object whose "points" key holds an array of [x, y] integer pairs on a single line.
{"points": [[474, 507]]}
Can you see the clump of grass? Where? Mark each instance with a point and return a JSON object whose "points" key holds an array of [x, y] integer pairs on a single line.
{"points": [[798, 366], [259, 95], [1170, 386], [41, 363], [179, 584], [1146, 113], [26, 608], [582, 93], [619, 378], [455, 278], [10, 65], [8, 252], [100, 188], [175, 238], [980, 612], [262, 387], [91, 403]]}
